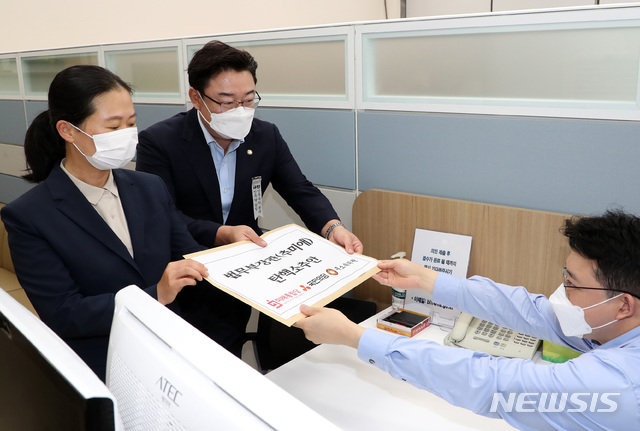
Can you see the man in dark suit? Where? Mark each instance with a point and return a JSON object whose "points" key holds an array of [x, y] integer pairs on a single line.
{"points": [[217, 160]]}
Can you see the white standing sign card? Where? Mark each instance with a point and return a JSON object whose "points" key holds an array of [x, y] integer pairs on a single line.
{"points": [[296, 267], [444, 252]]}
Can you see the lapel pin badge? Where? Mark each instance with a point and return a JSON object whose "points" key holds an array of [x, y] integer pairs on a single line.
{"points": [[249, 152]]}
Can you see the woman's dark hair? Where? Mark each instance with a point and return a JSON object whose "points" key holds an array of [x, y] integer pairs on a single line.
{"points": [[216, 57], [71, 96], [613, 242]]}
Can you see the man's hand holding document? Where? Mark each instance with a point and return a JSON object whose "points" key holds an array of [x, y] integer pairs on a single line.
{"points": [[296, 267]]}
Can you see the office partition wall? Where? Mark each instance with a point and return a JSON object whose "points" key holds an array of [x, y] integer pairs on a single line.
{"points": [[537, 109]]}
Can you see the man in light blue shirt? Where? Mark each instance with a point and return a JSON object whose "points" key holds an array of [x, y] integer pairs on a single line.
{"points": [[595, 311]]}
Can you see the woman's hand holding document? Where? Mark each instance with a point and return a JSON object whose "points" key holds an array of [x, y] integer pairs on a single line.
{"points": [[296, 267]]}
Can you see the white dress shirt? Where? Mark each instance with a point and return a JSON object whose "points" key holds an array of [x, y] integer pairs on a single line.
{"points": [[106, 201]]}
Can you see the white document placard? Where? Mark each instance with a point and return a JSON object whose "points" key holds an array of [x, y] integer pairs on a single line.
{"points": [[444, 252], [296, 267]]}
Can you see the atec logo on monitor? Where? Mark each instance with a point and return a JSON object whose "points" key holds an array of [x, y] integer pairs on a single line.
{"points": [[169, 391]]}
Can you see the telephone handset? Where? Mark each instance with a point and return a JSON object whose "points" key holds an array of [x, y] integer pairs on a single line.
{"points": [[476, 334]]}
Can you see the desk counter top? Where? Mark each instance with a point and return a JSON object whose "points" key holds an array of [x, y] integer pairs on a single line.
{"points": [[357, 396]]}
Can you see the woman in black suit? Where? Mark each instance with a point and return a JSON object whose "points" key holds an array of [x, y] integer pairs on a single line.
{"points": [[89, 228]]}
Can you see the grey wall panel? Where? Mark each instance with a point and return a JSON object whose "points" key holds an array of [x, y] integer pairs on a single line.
{"points": [[12, 187], [34, 108], [322, 142], [13, 124], [148, 115], [573, 166]]}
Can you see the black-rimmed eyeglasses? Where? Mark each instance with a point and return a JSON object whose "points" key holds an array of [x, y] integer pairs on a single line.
{"points": [[572, 286], [253, 102], [569, 284]]}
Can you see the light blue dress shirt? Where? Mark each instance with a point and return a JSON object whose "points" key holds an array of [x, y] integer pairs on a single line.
{"points": [[225, 168], [470, 379]]}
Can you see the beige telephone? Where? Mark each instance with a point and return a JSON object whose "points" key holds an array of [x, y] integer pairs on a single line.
{"points": [[475, 334]]}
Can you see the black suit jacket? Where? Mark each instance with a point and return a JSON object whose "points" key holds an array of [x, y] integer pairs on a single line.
{"points": [[176, 150], [71, 264]]}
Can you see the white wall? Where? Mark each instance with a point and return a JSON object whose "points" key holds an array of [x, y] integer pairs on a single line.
{"points": [[42, 24], [421, 8]]}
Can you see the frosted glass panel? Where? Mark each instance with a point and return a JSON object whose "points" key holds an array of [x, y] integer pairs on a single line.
{"points": [[295, 69], [558, 67], [9, 84], [152, 72], [38, 72], [301, 68]]}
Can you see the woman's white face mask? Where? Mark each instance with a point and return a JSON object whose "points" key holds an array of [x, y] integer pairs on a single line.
{"points": [[571, 317], [232, 124], [113, 149]]}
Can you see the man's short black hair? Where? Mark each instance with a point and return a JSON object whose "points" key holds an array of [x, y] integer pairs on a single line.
{"points": [[217, 57], [613, 242]]}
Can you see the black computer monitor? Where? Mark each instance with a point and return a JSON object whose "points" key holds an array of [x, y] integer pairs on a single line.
{"points": [[44, 384]]}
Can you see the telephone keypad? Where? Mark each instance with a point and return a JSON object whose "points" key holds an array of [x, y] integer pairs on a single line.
{"points": [[505, 335], [491, 338]]}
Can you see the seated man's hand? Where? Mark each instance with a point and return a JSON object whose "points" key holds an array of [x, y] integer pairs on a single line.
{"points": [[404, 274], [230, 234], [327, 325]]}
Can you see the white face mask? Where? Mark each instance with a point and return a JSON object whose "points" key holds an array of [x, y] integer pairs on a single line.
{"points": [[113, 149], [232, 124], [571, 317]]}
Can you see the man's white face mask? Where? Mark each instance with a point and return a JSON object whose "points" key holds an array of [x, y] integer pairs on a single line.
{"points": [[571, 317], [232, 124]]}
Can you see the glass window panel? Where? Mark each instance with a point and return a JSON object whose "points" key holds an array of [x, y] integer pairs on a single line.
{"points": [[9, 83], [301, 68], [38, 72], [552, 66], [298, 69], [152, 72]]}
